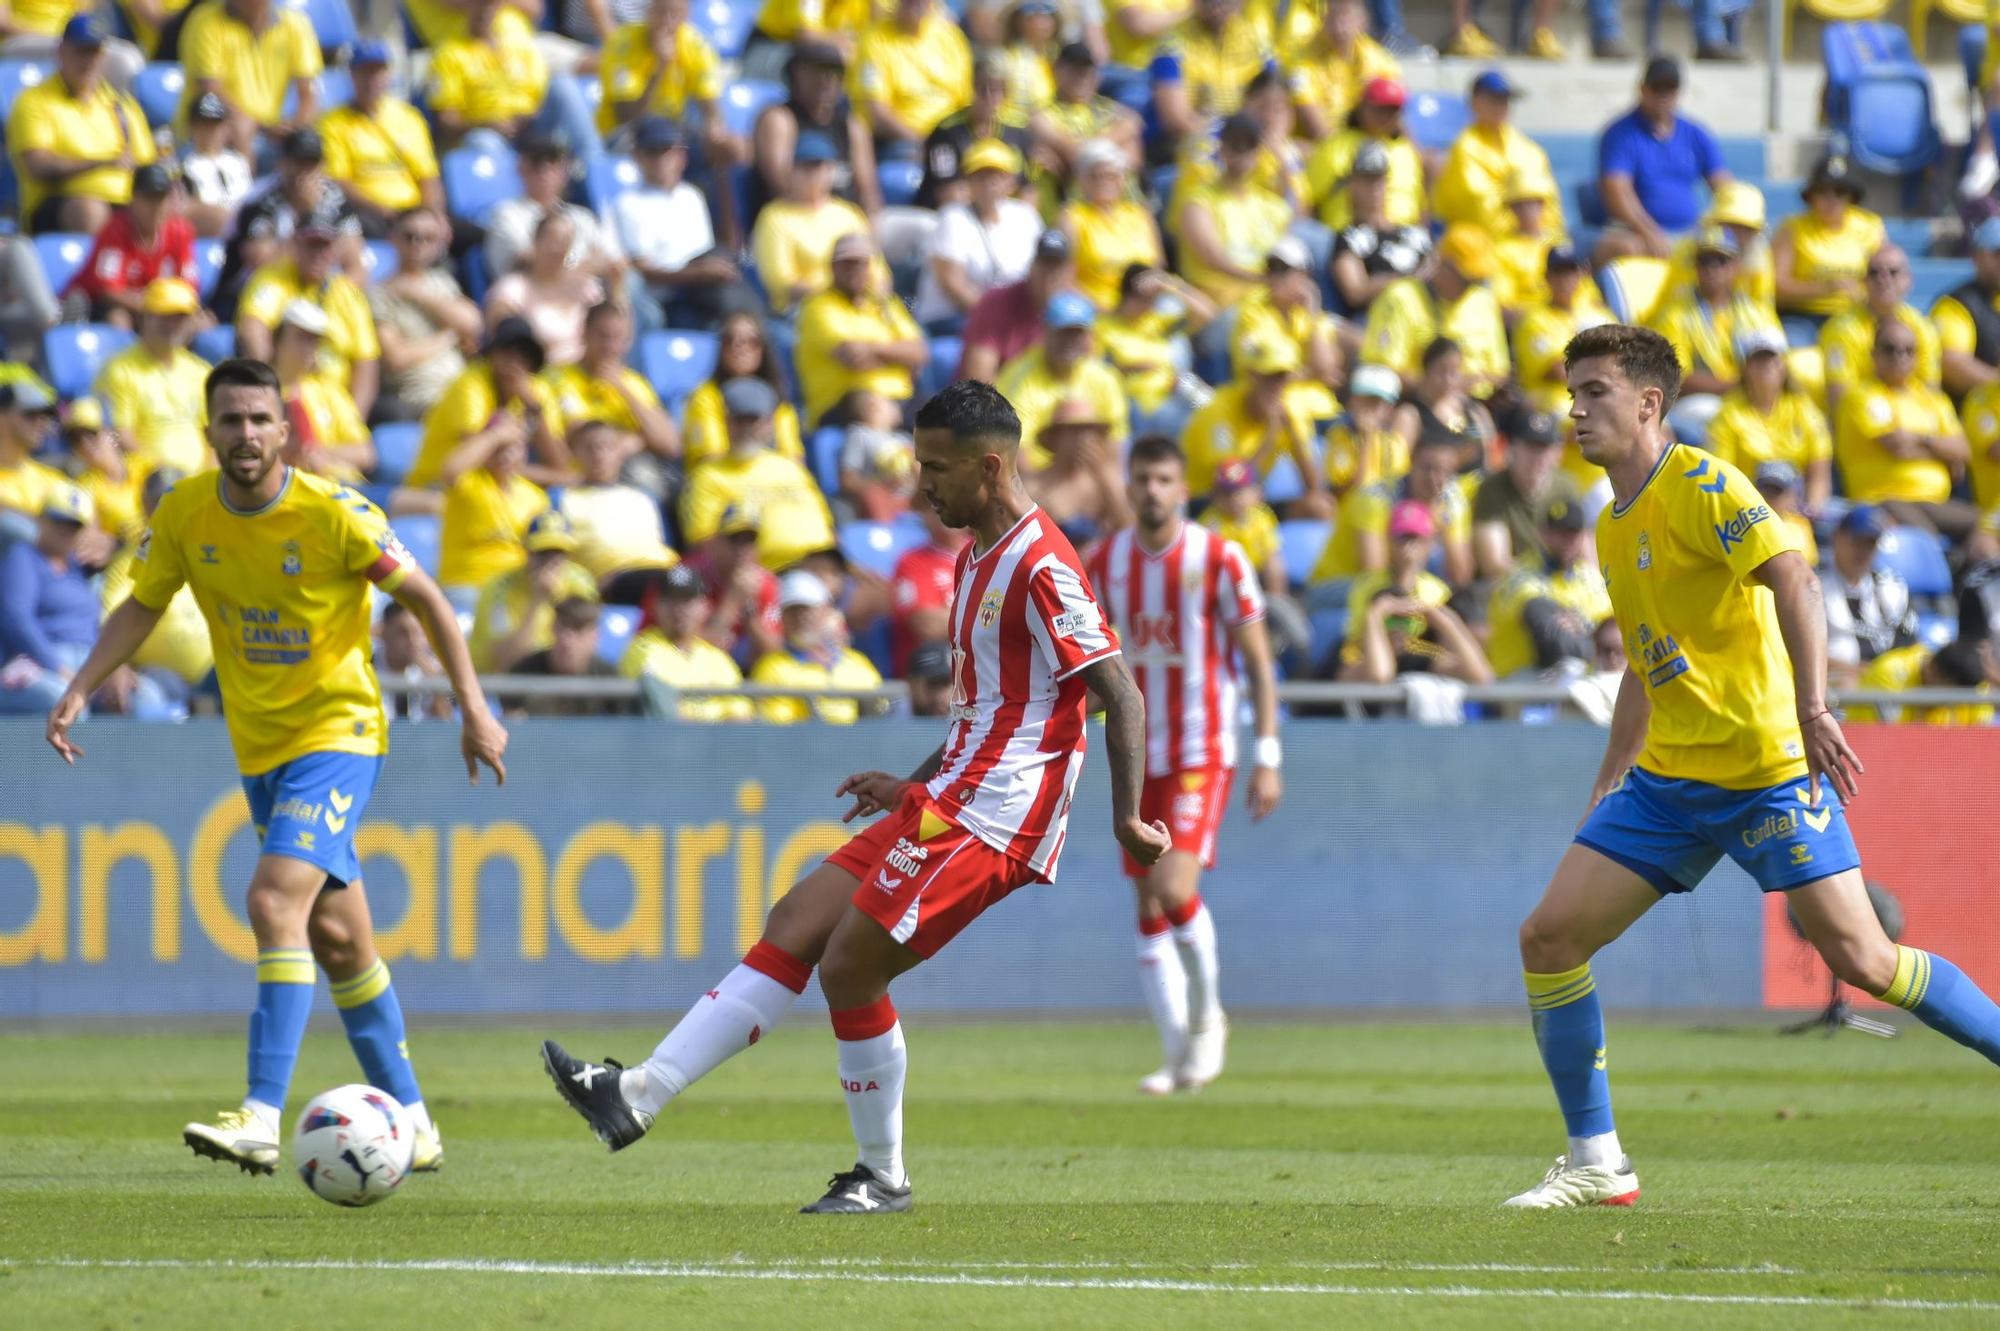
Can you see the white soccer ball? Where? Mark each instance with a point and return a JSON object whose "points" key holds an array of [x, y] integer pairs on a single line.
{"points": [[352, 1145]]}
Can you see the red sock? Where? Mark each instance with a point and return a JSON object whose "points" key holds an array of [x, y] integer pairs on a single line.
{"points": [[767, 958], [1178, 916], [1155, 925], [866, 1022]]}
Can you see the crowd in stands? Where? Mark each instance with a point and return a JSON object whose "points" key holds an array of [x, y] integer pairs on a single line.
{"points": [[626, 332]]}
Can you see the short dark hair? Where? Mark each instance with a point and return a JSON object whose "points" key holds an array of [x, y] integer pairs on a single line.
{"points": [[575, 612], [1439, 348], [241, 372], [604, 309], [1134, 273], [1642, 355], [417, 210], [1150, 448], [1265, 80], [971, 410], [1958, 664], [1240, 133]]}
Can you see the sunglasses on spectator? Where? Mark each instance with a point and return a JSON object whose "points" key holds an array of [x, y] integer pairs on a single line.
{"points": [[1714, 260], [1896, 349], [1876, 270]]}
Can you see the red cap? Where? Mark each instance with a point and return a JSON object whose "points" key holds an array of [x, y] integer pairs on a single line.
{"points": [[1383, 91], [1410, 518], [1234, 474]]}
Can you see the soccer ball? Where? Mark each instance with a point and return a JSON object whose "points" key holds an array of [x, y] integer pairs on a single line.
{"points": [[352, 1145]]}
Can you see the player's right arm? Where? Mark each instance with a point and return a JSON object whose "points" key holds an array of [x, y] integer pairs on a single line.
{"points": [[123, 632], [1629, 716], [877, 792], [482, 739]]}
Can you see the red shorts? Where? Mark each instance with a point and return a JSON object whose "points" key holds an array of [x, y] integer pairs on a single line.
{"points": [[923, 877], [1191, 804]]}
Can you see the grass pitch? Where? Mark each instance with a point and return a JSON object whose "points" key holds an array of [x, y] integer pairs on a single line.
{"points": [[1339, 1175]]}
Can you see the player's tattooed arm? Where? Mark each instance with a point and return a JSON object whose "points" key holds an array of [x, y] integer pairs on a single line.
{"points": [[877, 792], [929, 767], [1109, 679]]}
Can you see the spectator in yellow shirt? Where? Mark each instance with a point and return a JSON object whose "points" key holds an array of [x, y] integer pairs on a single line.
{"points": [[1475, 183], [1064, 366], [620, 533], [1377, 118], [155, 386], [1818, 257], [1738, 208], [661, 67], [1139, 335], [1329, 72], [501, 392], [1847, 342], [1544, 613], [1981, 417], [1968, 316], [1261, 418], [1362, 445], [516, 613], [791, 514], [329, 437], [1521, 257], [1228, 226], [911, 70], [75, 139], [1217, 50], [250, 53], [1287, 306], [1704, 326], [670, 650], [492, 78], [1899, 443], [1109, 228], [744, 352], [1571, 305], [1079, 114], [603, 387], [1456, 303], [488, 504], [1361, 541], [794, 236], [1778, 482], [1022, 56], [815, 655], [105, 471], [854, 340], [352, 351], [1398, 622], [378, 146], [1956, 665], [1764, 419], [27, 410]]}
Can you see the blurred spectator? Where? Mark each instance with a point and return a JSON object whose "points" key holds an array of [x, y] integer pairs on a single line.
{"points": [[670, 650], [988, 240], [329, 435], [1361, 542], [1484, 161], [1847, 342], [743, 594], [516, 612], [744, 352], [1543, 333], [1765, 419], [790, 512], [425, 322], [403, 650], [1371, 251], [1868, 610], [1509, 507], [1080, 486], [308, 272], [154, 387], [500, 392], [178, 654], [75, 139], [794, 237], [1544, 613], [216, 175], [1956, 665], [27, 307], [1240, 514], [929, 676], [546, 166], [1228, 226], [602, 386], [1214, 53], [663, 67], [146, 239], [1778, 482], [1027, 41], [1136, 31], [781, 23], [378, 146], [1287, 307], [1376, 119], [553, 298], [492, 77], [1362, 446], [815, 74], [1330, 71], [1008, 319], [1397, 619], [1521, 255], [1109, 229], [856, 342], [618, 532], [105, 472], [266, 220], [27, 410], [815, 654], [922, 587], [878, 470], [1704, 326], [1079, 115], [1819, 257], [1738, 208], [37, 32], [571, 655], [251, 53], [1440, 409], [1260, 417], [1968, 317], [1651, 164], [663, 227], [1453, 303], [912, 68], [1981, 417], [1898, 442], [1065, 367], [488, 504], [1144, 338], [1079, 21]]}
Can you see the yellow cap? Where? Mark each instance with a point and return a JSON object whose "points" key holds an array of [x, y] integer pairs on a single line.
{"points": [[549, 531], [1715, 240], [1529, 184], [169, 295], [1737, 203], [1270, 355], [1470, 250], [86, 413], [67, 503], [990, 155]]}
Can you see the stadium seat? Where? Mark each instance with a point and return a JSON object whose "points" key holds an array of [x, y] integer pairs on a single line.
{"points": [[823, 456], [1935, 630], [158, 92], [1913, 234], [396, 449], [1879, 97], [16, 75], [876, 546], [942, 367], [905, 235], [472, 274], [215, 344], [378, 262], [476, 179], [1931, 278], [588, 87], [1435, 119], [616, 626], [744, 101], [1744, 156], [1329, 630], [336, 88], [75, 352], [332, 22], [726, 23], [1283, 484], [900, 182], [605, 177], [1571, 156], [676, 363], [208, 257], [1917, 557], [423, 535], [1300, 541], [62, 254]]}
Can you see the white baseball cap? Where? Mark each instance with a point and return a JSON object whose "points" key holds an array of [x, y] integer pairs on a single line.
{"points": [[1375, 381], [800, 588], [307, 317]]}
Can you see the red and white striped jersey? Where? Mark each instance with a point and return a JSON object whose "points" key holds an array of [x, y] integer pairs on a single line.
{"points": [[1023, 623], [1174, 611]]}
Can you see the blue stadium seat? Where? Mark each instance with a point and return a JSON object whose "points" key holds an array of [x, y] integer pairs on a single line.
{"points": [[1931, 278], [215, 344], [75, 352], [1744, 155], [1300, 541], [876, 546], [1329, 630], [900, 181], [472, 274], [396, 448], [616, 626], [823, 456], [1283, 484], [1912, 233], [423, 535], [158, 92], [588, 86], [942, 366], [476, 179], [1434, 119], [208, 257], [744, 101], [605, 177], [1935, 631], [336, 88], [62, 254], [332, 22], [1571, 156], [1879, 97], [16, 75], [726, 23], [378, 262], [1917, 557], [676, 363]]}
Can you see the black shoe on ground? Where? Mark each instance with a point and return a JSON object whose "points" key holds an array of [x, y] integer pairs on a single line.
{"points": [[592, 1091], [859, 1192]]}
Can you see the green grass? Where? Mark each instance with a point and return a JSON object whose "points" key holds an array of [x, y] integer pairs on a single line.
{"points": [[1339, 1175]]}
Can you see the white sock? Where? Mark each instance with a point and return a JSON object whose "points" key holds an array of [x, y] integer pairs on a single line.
{"points": [[1602, 1151], [745, 1007], [1164, 982], [1196, 942], [420, 1117], [871, 1076], [266, 1114]]}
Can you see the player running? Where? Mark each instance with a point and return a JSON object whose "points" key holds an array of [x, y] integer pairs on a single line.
{"points": [[1184, 602], [984, 815], [281, 562], [1721, 744]]}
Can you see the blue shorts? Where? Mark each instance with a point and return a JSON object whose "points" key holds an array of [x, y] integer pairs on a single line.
{"points": [[310, 808], [1671, 832]]}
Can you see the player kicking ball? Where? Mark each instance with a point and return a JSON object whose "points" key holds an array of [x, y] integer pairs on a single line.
{"points": [[1721, 744], [984, 815], [1185, 602], [280, 562]]}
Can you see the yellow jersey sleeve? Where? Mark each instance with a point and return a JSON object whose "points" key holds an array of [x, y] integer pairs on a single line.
{"points": [[1723, 513], [367, 544], [159, 566], [1954, 325], [264, 300]]}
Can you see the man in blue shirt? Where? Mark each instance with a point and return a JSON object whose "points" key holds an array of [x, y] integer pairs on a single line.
{"points": [[1651, 164]]}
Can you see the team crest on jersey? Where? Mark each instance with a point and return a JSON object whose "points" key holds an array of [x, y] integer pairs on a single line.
{"points": [[292, 565], [208, 555], [989, 608], [1645, 550]]}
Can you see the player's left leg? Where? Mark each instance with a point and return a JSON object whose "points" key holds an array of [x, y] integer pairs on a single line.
{"points": [[1191, 804]]}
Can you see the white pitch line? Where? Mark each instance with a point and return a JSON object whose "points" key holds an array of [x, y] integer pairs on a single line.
{"points": [[1126, 1284], [1448, 1268]]}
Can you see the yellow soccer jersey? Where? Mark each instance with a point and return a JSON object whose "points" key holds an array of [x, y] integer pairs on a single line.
{"points": [[1981, 415], [1511, 648], [285, 594], [1699, 632], [849, 670], [700, 664]]}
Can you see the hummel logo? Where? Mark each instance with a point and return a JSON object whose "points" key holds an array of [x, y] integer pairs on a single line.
{"points": [[341, 803], [335, 821], [1818, 821], [588, 1075], [1597, 1063]]}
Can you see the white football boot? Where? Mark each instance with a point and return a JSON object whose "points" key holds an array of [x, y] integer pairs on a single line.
{"points": [[1206, 1047], [237, 1136], [1580, 1185]]}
